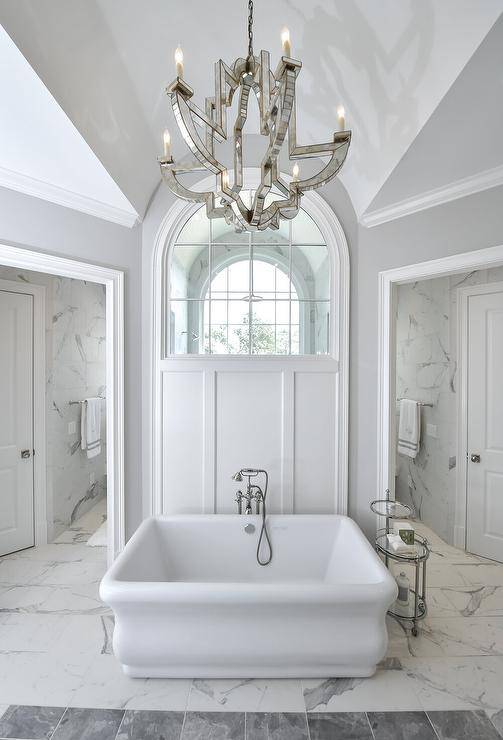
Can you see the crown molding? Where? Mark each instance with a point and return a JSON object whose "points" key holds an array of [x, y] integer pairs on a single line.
{"points": [[67, 198], [430, 198]]}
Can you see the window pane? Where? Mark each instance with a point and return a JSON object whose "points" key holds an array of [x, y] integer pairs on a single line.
{"points": [[263, 339], [186, 327], [305, 231], [282, 339], [264, 312], [189, 271], [219, 312], [219, 339], [311, 271], [239, 276], [239, 339], [238, 312], [196, 230], [222, 233], [224, 268], [282, 312], [314, 326]]}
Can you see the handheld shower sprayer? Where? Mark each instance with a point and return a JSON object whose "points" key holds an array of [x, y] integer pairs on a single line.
{"points": [[260, 496]]}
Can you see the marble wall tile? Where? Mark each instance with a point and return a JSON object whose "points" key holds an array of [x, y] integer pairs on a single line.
{"points": [[89, 724], [347, 725], [151, 725], [214, 726], [36, 723], [75, 369], [426, 370], [463, 725], [280, 726]]}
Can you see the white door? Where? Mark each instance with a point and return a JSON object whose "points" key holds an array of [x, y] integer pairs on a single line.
{"points": [[484, 525], [16, 422]]}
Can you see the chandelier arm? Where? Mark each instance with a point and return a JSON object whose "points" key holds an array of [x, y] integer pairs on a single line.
{"points": [[328, 172], [189, 132]]}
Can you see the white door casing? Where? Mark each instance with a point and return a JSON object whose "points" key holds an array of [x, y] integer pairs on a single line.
{"points": [[297, 428], [483, 353], [16, 427]]}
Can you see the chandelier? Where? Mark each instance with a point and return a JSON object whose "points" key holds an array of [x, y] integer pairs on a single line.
{"points": [[201, 129]]}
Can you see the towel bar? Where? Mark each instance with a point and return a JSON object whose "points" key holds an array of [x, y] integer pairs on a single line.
{"points": [[419, 403], [73, 403]]}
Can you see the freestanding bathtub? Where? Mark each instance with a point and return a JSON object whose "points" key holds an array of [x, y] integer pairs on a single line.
{"points": [[190, 599]]}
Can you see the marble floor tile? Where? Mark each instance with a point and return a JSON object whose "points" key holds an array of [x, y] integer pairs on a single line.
{"points": [[21, 571], [476, 601], [344, 725], [246, 695], [387, 689], [401, 726], [33, 722], [60, 553], [67, 599], [276, 726], [451, 636], [30, 633], [214, 726], [497, 720], [457, 683], [41, 678], [463, 726], [89, 724], [151, 726], [3, 709], [75, 573], [104, 685], [481, 574]]}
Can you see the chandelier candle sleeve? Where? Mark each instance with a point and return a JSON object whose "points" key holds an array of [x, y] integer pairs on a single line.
{"points": [[166, 138], [276, 197], [285, 40], [179, 62], [341, 115]]}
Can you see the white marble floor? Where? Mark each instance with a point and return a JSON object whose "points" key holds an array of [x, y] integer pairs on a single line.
{"points": [[56, 649]]}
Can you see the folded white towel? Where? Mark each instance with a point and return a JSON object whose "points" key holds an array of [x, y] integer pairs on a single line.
{"points": [[409, 428], [396, 544], [90, 426]]}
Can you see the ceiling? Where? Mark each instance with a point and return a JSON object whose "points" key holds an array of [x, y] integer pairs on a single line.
{"points": [[390, 63], [37, 138], [463, 136]]}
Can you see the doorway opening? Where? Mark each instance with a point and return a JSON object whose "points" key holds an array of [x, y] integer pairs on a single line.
{"points": [[441, 336], [61, 456]]}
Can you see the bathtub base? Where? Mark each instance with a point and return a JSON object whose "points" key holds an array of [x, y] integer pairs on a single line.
{"points": [[266, 671]]}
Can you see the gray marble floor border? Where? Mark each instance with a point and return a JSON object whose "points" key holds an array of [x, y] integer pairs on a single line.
{"points": [[60, 723]]}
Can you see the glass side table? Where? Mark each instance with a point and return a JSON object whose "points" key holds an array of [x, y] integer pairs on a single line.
{"points": [[416, 609]]}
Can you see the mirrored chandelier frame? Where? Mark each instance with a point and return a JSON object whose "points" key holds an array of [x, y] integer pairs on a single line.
{"points": [[201, 129]]}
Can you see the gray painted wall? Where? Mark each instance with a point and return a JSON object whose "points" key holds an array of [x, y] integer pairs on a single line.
{"points": [[471, 223], [41, 226]]}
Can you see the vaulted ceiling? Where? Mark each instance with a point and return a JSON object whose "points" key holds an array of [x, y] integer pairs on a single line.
{"points": [[390, 63]]}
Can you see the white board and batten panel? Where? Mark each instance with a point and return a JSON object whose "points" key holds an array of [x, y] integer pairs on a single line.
{"points": [[220, 417], [315, 443]]}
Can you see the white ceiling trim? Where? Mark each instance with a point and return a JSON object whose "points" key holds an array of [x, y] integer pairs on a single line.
{"points": [[430, 198], [62, 197]]}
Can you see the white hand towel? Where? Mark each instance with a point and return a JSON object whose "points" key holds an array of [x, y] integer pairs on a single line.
{"points": [[396, 544], [90, 426], [409, 428]]}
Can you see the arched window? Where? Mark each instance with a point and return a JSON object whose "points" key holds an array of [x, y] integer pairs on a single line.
{"points": [[265, 293]]}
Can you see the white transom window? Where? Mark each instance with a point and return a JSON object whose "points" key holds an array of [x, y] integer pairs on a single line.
{"points": [[264, 293]]}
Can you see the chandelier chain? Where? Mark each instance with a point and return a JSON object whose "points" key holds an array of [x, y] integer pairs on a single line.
{"points": [[250, 28]]}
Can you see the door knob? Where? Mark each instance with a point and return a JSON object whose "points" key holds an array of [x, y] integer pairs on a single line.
{"points": [[475, 457], [25, 454]]}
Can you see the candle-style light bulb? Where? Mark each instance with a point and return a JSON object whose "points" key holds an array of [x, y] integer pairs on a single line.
{"points": [[341, 115], [285, 40], [166, 139], [225, 180], [179, 61], [295, 172]]}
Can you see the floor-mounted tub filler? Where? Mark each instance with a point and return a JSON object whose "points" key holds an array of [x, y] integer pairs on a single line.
{"points": [[190, 599]]}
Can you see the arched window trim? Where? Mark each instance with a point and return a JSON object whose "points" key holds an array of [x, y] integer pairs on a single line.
{"points": [[335, 239]]}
